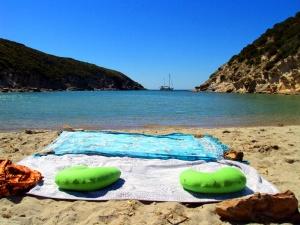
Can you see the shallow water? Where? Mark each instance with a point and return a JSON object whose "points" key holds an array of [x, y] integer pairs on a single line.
{"points": [[133, 109]]}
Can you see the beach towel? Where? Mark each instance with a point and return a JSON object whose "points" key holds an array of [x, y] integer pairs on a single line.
{"points": [[141, 179], [176, 145]]}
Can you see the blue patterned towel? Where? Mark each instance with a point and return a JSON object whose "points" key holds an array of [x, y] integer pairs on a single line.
{"points": [[175, 146]]}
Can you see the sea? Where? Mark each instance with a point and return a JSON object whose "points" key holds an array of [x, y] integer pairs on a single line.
{"points": [[139, 109]]}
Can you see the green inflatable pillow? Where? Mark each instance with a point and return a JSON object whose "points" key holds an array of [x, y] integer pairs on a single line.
{"points": [[83, 178], [224, 180]]}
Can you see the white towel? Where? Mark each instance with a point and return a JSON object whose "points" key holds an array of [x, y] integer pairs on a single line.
{"points": [[141, 179]]}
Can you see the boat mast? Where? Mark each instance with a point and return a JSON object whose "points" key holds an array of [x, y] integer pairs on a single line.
{"points": [[169, 80]]}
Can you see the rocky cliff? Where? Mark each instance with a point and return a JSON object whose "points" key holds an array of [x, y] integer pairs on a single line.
{"points": [[26, 69], [271, 64]]}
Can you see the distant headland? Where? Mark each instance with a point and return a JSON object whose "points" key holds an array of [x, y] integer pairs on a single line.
{"points": [[26, 69], [271, 64]]}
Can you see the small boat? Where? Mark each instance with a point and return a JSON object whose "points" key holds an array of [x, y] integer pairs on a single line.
{"points": [[167, 87]]}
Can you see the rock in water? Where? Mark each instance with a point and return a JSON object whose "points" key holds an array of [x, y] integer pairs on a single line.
{"points": [[261, 208], [271, 64]]}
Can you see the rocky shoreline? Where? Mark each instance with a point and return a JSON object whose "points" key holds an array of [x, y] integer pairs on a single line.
{"points": [[23, 69], [34, 89], [271, 64], [283, 78]]}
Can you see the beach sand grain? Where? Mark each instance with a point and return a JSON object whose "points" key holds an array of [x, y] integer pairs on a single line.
{"points": [[274, 151]]}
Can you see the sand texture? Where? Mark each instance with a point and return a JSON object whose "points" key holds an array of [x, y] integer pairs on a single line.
{"points": [[273, 151]]}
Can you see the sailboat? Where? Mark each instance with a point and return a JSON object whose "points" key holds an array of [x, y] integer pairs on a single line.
{"points": [[167, 87]]}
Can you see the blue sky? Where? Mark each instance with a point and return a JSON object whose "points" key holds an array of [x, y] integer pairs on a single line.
{"points": [[145, 39]]}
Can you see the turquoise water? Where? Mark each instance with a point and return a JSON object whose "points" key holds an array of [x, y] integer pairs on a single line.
{"points": [[133, 109]]}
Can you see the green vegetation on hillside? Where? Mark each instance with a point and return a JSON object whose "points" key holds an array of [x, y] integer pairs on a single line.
{"points": [[280, 41], [22, 66], [269, 65]]}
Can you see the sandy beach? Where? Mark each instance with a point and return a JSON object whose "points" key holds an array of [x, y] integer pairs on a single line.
{"points": [[274, 151]]}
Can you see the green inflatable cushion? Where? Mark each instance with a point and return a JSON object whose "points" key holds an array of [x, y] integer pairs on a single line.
{"points": [[224, 180], [83, 178]]}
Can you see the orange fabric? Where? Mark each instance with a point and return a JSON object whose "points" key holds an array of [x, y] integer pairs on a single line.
{"points": [[16, 178]]}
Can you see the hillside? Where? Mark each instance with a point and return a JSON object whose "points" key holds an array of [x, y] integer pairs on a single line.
{"points": [[26, 69], [271, 64]]}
